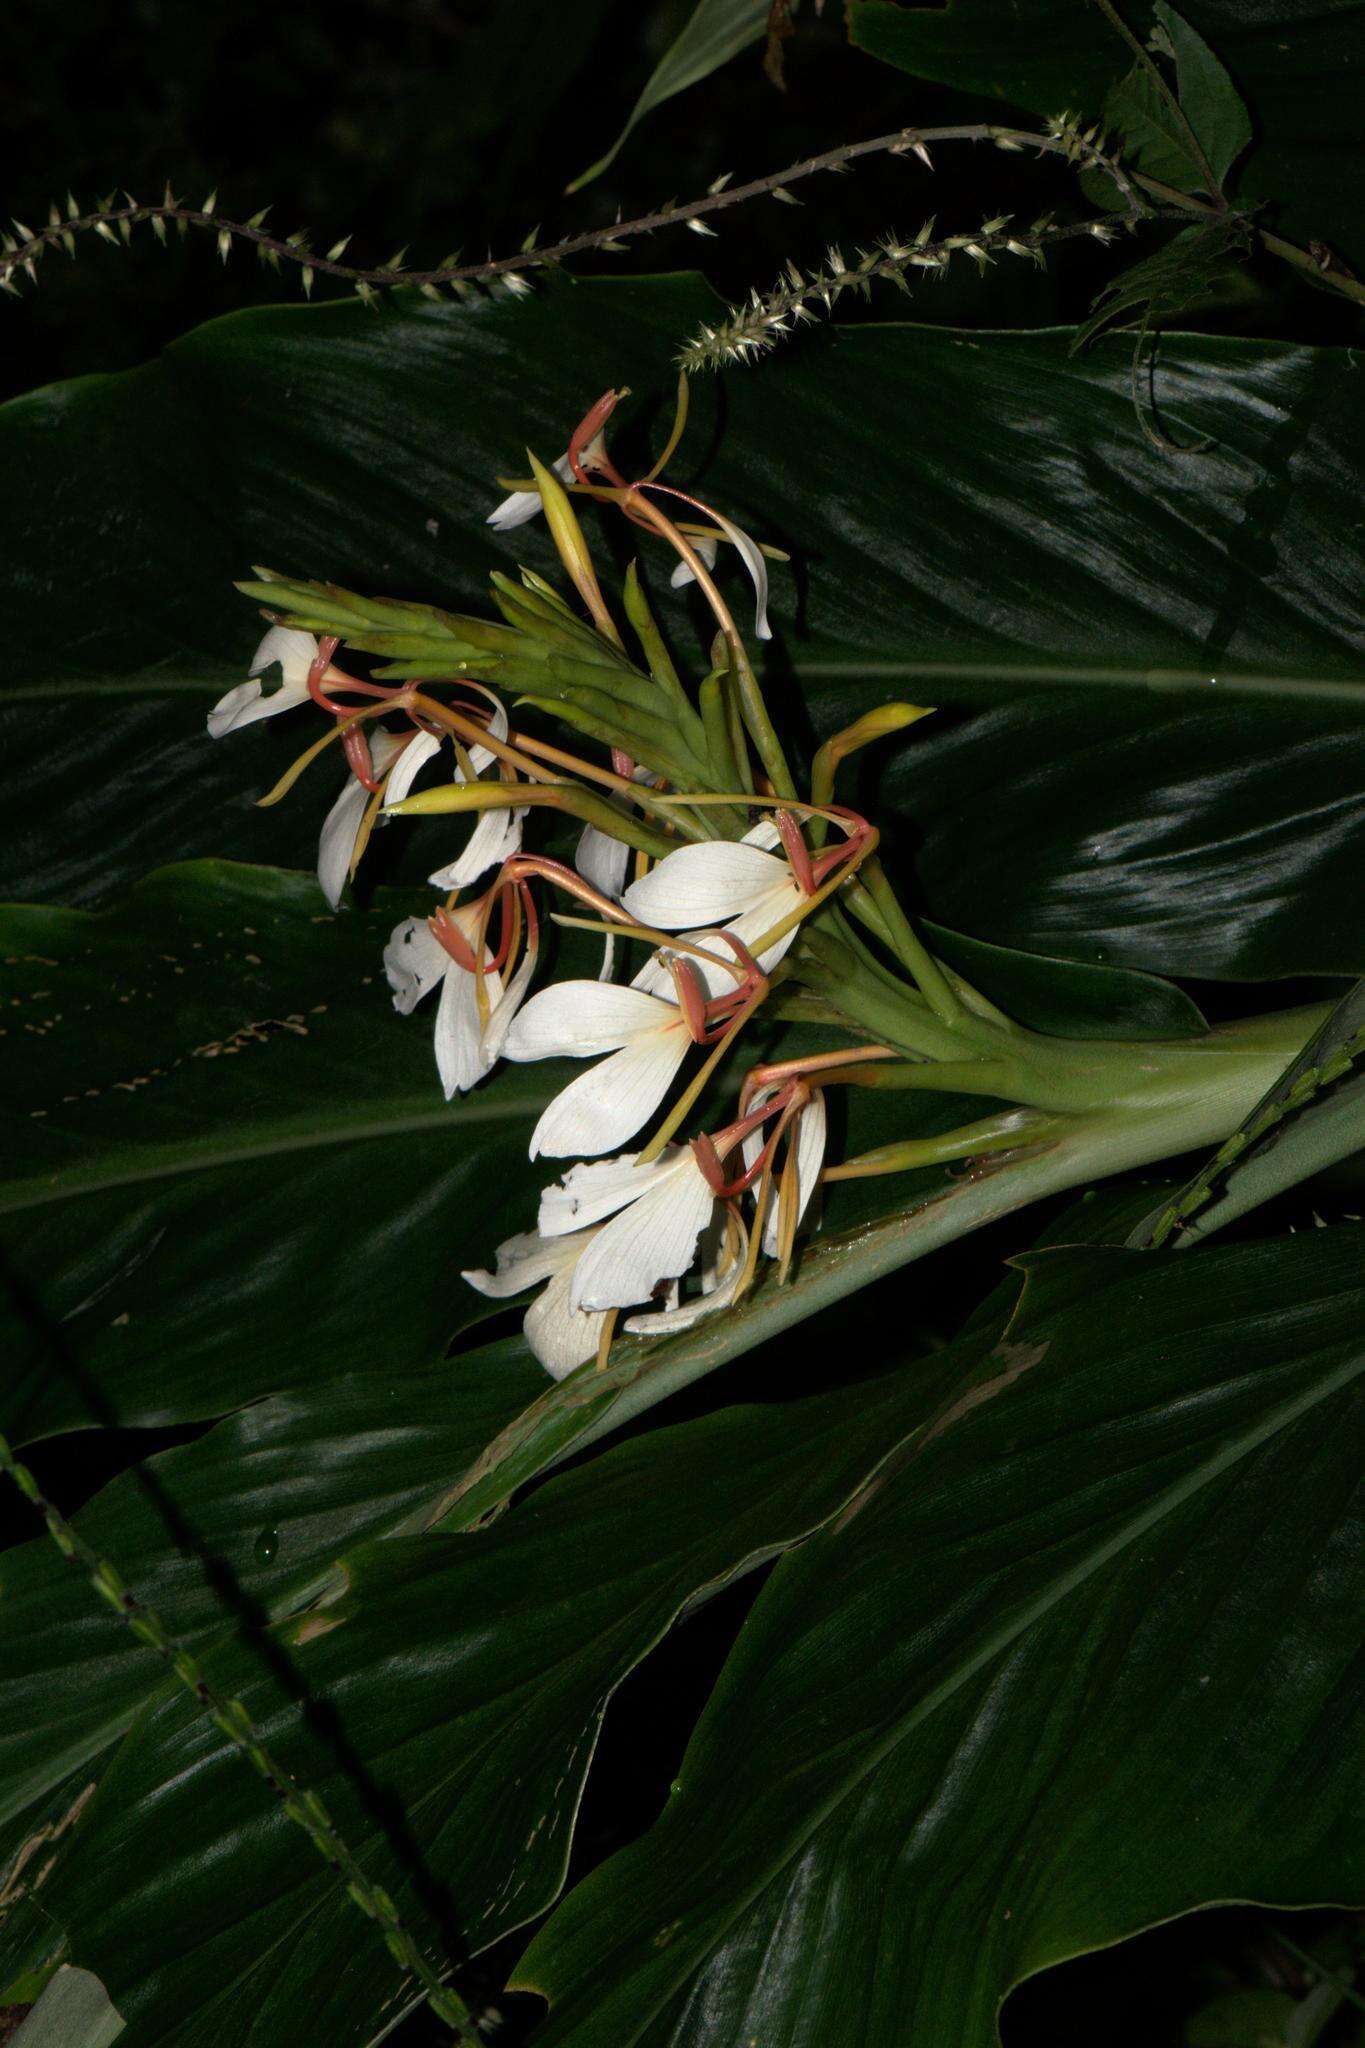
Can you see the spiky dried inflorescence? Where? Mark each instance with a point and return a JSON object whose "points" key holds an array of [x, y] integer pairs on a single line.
{"points": [[752, 329]]}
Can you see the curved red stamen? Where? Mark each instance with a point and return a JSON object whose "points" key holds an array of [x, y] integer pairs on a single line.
{"points": [[691, 997], [713, 1172], [452, 940], [797, 852], [356, 748], [591, 424]]}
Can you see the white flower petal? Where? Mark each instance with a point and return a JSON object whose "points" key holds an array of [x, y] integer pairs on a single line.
{"points": [[654, 1239], [502, 1016], [495, 838], [414, 961], [705, 884], [667, 1322], [755, 562], [524, 505], [337, 841], [459, 1056], [578, 1019], [563, 1337], [609, 1104], [420, 749], [295, 651], [602, 861], [810, 1157], [481, 757], [247, 702], [598, 1188], [524, 1261], [704, 544], [749, 929]]}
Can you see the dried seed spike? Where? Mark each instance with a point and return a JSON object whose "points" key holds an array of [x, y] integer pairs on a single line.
{"points": [[306, 280], [395, 262], [125, 228], [298, 240], [224, 243], [338, 248], [529, 244], [719, 184], [787, 198], [54, 219], [516, 284], [993, 227], [69, 242], [428, 291], [258, 218], [922, 153], [105, 232], [925, 232], [25, 234], [158, 227], [210, 202], [699, 227], [106, 205]]}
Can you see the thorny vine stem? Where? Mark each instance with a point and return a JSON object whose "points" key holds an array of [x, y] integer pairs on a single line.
{"points": [[304, 1807], [902, 141], [115, 223]]}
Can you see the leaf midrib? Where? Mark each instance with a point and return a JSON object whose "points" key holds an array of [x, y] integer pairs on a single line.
{"points": [[154, 1163], [1166, 1503]]}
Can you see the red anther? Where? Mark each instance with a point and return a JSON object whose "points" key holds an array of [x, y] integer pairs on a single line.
{"points": [[321, 662], [713, 1172], [691, 997], [356, 748], [591, 424], [797, 852], [858, 832], [452, 940]]}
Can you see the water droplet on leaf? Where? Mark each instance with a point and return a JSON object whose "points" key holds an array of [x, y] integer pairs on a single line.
{"points": [[267, 1543]]}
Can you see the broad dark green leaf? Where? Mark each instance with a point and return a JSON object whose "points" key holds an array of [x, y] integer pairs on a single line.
{"points": [[1216, 843], [1151, 133], [363, 447], [458, 1682], [713, 33], [1084, 1658], [226, 1150], [1067, 998], [225, 1532], [1295, 71]]}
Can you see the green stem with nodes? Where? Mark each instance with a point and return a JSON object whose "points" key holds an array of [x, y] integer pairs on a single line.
{"points": [[569, 797], [304, 1807]]}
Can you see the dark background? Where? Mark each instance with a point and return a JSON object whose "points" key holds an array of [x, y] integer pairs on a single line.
{"points": [[451, 125]]}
